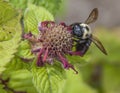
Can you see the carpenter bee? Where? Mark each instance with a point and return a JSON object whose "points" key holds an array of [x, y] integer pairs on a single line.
{"points": [[83, 35]]}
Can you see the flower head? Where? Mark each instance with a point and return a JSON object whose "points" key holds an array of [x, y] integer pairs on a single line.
{"points": [[53, 43]]}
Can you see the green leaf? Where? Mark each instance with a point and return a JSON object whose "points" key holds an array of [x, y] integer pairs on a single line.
{"points": [[10, 32], [49, 78], [20, 4], [24, 51], [75, 84], [15, 64], [52, 5], [21, 80], [9, 48], [7, 13], [34, 15], [17, 73]]}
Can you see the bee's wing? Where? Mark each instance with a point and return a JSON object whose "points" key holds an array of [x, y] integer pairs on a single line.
{"points": [[98, 44], [92, 17]]}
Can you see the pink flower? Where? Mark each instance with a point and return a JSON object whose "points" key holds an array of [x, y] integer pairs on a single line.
{"points": [[54, 42]]}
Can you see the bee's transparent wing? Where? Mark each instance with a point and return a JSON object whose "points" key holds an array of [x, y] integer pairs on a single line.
{"points": [[98, 44], [92, 17]]}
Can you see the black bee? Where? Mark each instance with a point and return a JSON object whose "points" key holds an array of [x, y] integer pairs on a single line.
{"points": [[83, 35]]}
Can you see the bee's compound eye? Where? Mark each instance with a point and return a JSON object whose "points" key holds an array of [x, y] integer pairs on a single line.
{"points": [[77, 30]]}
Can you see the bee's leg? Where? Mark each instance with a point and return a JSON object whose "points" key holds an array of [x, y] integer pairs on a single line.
{"points": [[80, 50], [82, 47], [43, 26], [29, 36], [78, 53], [66, 64]]}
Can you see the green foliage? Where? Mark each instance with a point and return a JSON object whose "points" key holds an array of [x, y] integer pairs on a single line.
{"points": [[10, 33], [34, 15], [15, 64], [9, 48], [7, 13], [52, 5], [17, 72], [48, 79], [21, 4], [24, 51], [21, 80]]}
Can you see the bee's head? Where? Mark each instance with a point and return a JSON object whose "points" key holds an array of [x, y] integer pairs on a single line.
{"points": [[81, 30]]}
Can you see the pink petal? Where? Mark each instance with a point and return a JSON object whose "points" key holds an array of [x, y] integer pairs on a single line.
{"points": [[46, 55], [66, 64], [39, 58]]}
